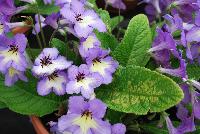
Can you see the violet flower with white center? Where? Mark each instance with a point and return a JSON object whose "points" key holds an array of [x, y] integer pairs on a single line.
{"points": [[56, 82], [118, 129], [84, 20], [12, 52], [99, 61], [84, 117], [116, 4], [164, 41], [82, 81], [49, 61], [12, 75], [87, 43], [179, 72]]}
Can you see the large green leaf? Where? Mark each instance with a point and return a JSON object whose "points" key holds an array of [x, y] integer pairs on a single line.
{"points": [[23, 98], [136, 42], [139, 90], [193, 71], [41, 8], [108, 41], [2, 105]]}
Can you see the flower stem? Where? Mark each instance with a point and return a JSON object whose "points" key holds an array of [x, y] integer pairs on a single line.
{"points": [[38, 38], [41, 30], [53, 34]]}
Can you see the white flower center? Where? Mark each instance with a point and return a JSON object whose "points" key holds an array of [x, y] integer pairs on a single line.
{"points": [[99, 67], [12, 71], [89, 43], [1, 28], [85, 121]]}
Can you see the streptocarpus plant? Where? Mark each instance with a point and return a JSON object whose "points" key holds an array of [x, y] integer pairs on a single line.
{"points": [[106, 83]]}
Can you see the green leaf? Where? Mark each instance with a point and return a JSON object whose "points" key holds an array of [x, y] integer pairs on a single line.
{"points": [[193, 71], [33, 53], [105, 17], [2, 105], [60, 45], [114, 22], [41, 8], [114, 116], [136, 42], [23, 98], [108, 41], [139, 90]]}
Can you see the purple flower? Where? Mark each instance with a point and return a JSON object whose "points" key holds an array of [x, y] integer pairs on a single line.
{"points": [[37, 25], [175, 21], [99, 61], [49, 61], [84, 20], [12, 52], [56, 82], [52, 20], [87, 43], [179, 72], [116, 4], [7, 7], [187, 94], [84, 117], [196, 104], [187, 122], [12, 75], [170, 127], [195, 52], [185, 9], [193, 35], [155, 8], [186, 125], [82, 81], [54, 128], [118, 128], [162, 46], [47, 1]]}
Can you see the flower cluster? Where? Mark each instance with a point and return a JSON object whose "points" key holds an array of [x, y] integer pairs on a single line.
{"points": [[86, 118], [178, 39], [56, 73]]}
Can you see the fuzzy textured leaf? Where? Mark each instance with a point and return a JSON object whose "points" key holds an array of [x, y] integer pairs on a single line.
{"points": [[139, 90], [60, 45], [108, 41], [2, 105], [136, 42], [193, 71], [23, 98], [115, 21]]}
